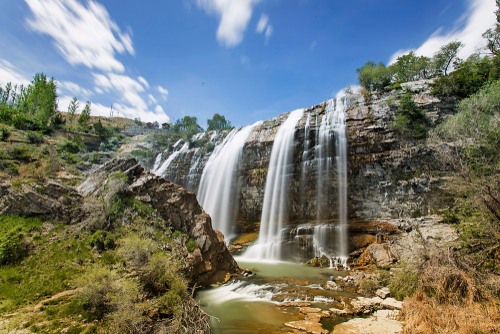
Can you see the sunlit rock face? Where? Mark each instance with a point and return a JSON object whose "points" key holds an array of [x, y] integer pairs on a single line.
{"points": [[388, 176]]}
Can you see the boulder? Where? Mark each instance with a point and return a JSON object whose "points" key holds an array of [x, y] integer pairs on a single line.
{"points": [[383, 293], [306, 310], [379, 254], [381, 322], [307, 326], [294, 304], [363, 305], [391, 304], [331, 285]]}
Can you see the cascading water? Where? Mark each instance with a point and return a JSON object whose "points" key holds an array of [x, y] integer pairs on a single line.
{"points": [[268, 247], [161, 171], [218, 185], [333, 126], [157, 163]]}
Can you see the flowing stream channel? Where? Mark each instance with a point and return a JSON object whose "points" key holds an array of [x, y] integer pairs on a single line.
{"points": [[250, 305]]}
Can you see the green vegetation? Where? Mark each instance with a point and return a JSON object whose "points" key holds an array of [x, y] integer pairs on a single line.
{"points": [[410, 119], [218, 122]]}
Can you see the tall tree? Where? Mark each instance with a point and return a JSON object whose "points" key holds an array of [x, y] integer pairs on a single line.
{"points": [[218, 122], [444, 58], [72, 110], [84, 118]]}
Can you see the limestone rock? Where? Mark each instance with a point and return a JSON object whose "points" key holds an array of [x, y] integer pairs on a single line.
{"points": [[331, 285], [336, 311], [306, 310], [294, 304], [380, 254], [364, 305], [381, 322], [307, 326], [383, 293], [391, 304]]}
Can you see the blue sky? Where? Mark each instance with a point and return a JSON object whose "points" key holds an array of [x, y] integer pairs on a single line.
{"points": [[245, 59]]}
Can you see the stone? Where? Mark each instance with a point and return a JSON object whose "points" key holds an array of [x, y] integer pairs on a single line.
{"points": [[307, 326], [391, 304], [381, 254], [381, 322], [365, 305], [343, 312], [306, 310], [331, 285], [383, 293], [294, 304]]}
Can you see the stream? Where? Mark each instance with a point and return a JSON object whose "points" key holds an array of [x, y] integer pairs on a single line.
{"points": [[248, 305]]}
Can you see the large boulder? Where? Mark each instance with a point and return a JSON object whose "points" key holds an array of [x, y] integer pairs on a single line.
{"points": [[209, 264]]}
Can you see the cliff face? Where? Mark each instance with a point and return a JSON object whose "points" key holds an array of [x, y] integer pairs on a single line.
{"points": [[388, 176]]}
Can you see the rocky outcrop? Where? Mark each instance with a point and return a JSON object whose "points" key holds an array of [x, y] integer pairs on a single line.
{"points": [[389, 176], [50, 200], [211, 262]]}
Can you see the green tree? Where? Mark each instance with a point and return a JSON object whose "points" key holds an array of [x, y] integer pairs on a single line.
{"points": [[84, 118], [72, 110], [100, 130], [40, 99], [411, 67], [218, 122], [492, 35], [374, 76], [444, 58], [411, 119]]}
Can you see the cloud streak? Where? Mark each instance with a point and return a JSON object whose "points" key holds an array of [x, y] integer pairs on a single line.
{"points": [[233, 15], [83, 35], [468, 29], [264, 27], [10, 73]]}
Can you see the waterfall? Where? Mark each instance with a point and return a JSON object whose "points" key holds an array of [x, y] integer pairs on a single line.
{"points": [[217, 192], [157, 163], [268, 247], [160, 171], [333, 126]]}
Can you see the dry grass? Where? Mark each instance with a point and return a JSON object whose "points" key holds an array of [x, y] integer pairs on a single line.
{"points": [[426, 315], [451, 298]]}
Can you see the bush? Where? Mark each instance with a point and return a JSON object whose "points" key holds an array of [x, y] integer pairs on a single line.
{"points": [[34, 137], [191, 245], [450, 217], [411, 119], [109, 146], [72, 146], [97, 285], [20, 152], [4, 133], [57, 121], [137, 251], [12, 246]]}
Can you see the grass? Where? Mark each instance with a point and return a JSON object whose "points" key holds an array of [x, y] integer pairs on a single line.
{"points": [[53, 262]]}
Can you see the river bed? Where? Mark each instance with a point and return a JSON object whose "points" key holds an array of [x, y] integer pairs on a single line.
{"points": [[248, 305]]}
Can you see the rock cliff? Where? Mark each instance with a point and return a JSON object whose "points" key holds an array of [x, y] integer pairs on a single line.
{"points": [[388, 176]]}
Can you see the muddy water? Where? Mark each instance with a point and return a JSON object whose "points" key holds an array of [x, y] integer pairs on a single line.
{"points": [[249, 305]]}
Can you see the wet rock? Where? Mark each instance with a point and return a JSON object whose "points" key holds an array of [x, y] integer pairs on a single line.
{"points": [[383, 293], [307, 326], [306, 310], [391, 304], [294, 304], [330, 285], [336, 311]]}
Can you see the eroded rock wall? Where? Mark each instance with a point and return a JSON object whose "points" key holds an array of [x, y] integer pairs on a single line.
{"points": [[389, 176]]}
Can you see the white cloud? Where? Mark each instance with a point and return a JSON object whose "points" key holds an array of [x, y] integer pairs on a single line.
{"points": [[264, 26], [163, 92], [83, 34], [152, 99], [144, 115], [9, 73], [127, 87], [143, 81], [159, 109], [264, 19], [480, 16], [98, 90], [74, 88], [234, 16]]}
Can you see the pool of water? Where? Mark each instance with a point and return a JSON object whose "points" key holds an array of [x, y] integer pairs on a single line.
{"points": [[249, 305]]}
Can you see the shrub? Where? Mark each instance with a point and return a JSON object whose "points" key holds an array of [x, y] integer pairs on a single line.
{"points": [[137, 251], [57, 121], [97, 240], [13, 167], [20, 152], [12, 246], [72, 146], [34, 137], [4, 133], [368, 286], [97, 285], [411, 119], [416, 214], [450, 217]]}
